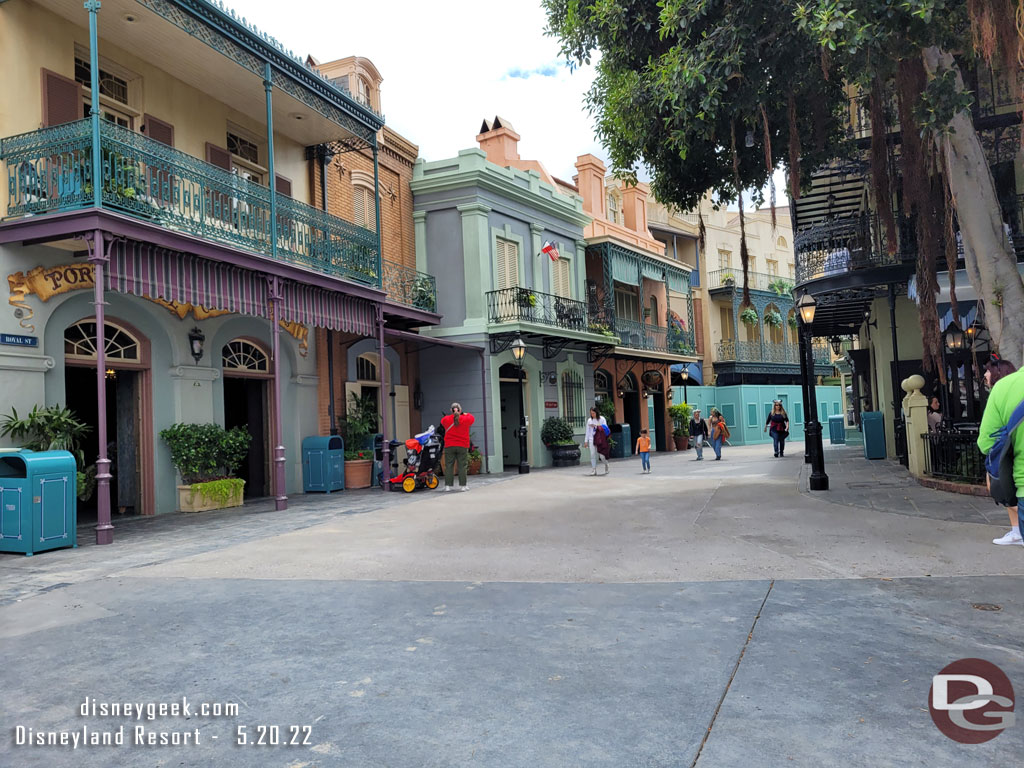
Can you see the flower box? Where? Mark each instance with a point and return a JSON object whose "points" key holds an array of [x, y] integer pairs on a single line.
{"points": [[215, 494]]}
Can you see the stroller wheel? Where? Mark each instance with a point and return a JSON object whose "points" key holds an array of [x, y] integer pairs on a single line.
{"points": [[409, 484], [432, 482]]}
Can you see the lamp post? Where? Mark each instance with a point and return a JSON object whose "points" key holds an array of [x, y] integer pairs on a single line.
{"points": [[519, 352], [953, 339], [686, 378], [837, 345], [812, 428]]}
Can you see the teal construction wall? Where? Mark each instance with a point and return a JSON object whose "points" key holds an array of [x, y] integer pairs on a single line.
{"points": [[746, 406]]}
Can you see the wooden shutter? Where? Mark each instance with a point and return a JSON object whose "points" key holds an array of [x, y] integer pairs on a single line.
{"points": [[562, 282], [158, 130], [283, 185], [218, 156], [359, 206], [62, 99], [508, 263]]}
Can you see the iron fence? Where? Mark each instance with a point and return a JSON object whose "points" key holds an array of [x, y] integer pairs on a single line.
{"points": [[511, 305], [842, 245], [953, 455], [757, 352], [409, 287], [758, 281], [574, 408]]}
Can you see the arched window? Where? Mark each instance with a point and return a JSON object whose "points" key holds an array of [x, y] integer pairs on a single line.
{"points": [[613, 209], [363, 94], [628, 383], [119, 345], [602, 384], [366, 368], [243, 356], [781, 243]]}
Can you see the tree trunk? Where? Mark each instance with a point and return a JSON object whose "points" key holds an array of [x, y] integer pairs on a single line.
{"points": [[989, 256]]}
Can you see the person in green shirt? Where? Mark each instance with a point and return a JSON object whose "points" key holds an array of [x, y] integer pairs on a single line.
{"points": [[1007, 385]]}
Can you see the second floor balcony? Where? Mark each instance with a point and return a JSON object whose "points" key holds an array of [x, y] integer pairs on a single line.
{"points": [[409, 287], [768, 352], [525, 305], [729, 279], [851, 245], [51, 170]]}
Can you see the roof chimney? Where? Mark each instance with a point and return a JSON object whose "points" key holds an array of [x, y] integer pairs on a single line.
{"points": [[500, 141]]}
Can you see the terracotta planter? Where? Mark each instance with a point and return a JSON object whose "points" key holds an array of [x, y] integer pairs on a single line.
{"points": [[474, 467], [359, 473], [682, 443], [189, 501]]}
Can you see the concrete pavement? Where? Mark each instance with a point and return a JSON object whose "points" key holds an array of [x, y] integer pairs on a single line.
{"points": [[708, 614]]}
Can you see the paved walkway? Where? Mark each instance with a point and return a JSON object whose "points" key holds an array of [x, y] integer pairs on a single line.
{"points": [[886, 486]]}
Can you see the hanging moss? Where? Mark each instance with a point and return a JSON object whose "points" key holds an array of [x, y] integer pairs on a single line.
{"points": [[880, 166], [768, 166], [794, 150], [744, 254]]}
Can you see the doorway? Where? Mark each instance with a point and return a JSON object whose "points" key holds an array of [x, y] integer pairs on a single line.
{"points": [[657, 421], [510, 392], [245, 405]]}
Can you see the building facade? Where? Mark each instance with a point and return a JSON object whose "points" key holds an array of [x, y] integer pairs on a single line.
{"points": [[167, 256]]}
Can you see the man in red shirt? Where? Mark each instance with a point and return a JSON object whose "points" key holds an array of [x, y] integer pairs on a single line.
{"points": [[456, 446]]}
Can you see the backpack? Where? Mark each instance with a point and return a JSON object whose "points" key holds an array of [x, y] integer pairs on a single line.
{"points": [[999, 461], [605, 429]]}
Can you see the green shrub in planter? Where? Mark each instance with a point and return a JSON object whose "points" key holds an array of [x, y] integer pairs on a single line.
{"points": [[556, 431], [749, 316], [205, 452]]}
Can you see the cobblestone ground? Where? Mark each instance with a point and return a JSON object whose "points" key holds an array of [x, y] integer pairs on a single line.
{"points": [[708, 614]]}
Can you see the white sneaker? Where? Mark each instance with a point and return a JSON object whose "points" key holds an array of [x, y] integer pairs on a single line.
{"points": [[1012, 536], [447, 488], [464, 488], [593, 472]]}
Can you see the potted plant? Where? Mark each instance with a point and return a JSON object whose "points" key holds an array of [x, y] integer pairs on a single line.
{"points": [[556, 433], [749, 316], [773, 318], [356, 428], [53, 429], [781, 286], [206, 456], [793, 322], [680, 414], [728, 279], [474, 457]]}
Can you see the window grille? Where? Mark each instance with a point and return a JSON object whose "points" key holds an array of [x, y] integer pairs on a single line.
{"points": [[111, 86], [243, 148], [574, 408], [242, 355]]}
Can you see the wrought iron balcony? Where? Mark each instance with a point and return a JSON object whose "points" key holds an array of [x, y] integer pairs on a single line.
{"points": [[845, 245], [409, 287], [653, 338], [757, 352], [758, 281], [524, 305], [51, 170]]}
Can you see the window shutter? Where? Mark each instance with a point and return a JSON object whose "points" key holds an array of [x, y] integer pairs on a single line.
{"points": [[359, 206], [62, 99], [563, 283], [158, 130], [283, 186], [218, 156]]}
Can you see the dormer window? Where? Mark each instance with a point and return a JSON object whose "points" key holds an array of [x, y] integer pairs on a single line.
{"points": [[363, 92], [614, 213]]}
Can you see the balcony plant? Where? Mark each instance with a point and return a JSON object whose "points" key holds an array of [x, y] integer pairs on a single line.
{"points": [[556, 433], [53, 429], [781, 287], [422, 294], [749, 316], [773, 318], [527, 298], [357, 427], [206, 456], [792, 321], [728, 279], [680, 414]]}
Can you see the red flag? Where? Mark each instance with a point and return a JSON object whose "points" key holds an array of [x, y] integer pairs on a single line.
{"points": [[550, 249]]}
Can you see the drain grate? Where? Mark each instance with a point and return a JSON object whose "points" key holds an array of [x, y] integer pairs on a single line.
{"points": [[986, 607]]}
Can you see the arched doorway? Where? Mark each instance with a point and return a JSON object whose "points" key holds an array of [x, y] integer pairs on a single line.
{"points": [[512, 395], [630, 409], [654, 383], [128, 405], [246, 378]]}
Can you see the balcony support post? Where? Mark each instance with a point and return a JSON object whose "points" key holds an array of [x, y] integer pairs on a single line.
{"points": [[267, 88], [376, 213], [93, 6], [280, 492], [100, 257], [805, 376], [899, 433]]}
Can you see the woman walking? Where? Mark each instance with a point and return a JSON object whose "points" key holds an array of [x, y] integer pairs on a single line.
{"points": [[594, 439], [456, 446], [777, 425], [698, 433], [719, 432], [995, 369]]}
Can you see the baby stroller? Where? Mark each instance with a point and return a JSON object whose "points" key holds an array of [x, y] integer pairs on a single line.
{"points": [[424, 452]]}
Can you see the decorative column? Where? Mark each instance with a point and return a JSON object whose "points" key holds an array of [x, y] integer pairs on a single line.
{"points": [[536, 230], [385, 448], [476, 249], [93, 6], [376, 210], [99, 257], [419, 219], [267, 88], [899, 432], [280, 487], [915, 411]]}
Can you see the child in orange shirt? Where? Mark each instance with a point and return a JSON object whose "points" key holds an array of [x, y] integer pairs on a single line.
{"points": [[643, 447]]}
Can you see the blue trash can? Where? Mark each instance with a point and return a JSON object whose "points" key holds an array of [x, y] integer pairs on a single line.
{"points": [[873, 428], [837, 430], [323, 464], [38, 501], [623, 446]]}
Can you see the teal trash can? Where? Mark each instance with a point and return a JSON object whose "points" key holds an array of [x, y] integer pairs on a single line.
{"points": [[323, 464], [874, 434], [623, 446], [837, 430], [38, 501]]}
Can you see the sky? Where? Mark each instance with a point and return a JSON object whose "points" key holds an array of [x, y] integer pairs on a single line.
{"points": [[449, 65]]}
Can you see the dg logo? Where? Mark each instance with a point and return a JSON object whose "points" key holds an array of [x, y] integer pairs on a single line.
{"points": [[971, 701]]}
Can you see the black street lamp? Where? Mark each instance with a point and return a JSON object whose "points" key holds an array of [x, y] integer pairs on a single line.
{"points": [[519, 352], [812, 428], [837, 345], [686, 378], [954, 340]]}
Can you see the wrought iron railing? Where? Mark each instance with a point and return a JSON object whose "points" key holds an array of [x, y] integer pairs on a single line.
{"points": [[574, 395], [843, 245], [512, 305], [409, 287], [758, 281], [51, 170], [756, 352], [954, 455]]}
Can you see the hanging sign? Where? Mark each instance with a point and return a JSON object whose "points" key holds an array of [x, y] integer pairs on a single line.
{"points": [[551, 404], [14, 340]]}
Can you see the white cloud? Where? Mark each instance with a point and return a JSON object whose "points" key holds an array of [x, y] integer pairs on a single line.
{"points": [[447, 66]]}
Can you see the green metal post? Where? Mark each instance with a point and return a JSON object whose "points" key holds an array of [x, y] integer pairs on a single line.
{"points": [[376, 205], [93, 6], [267, 87]]}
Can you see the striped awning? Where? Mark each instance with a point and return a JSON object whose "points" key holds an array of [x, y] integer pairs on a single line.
{"points": [[142, 269]]}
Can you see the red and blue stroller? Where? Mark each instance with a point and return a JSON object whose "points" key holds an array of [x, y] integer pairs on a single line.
{"points": [[421, 461]]}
